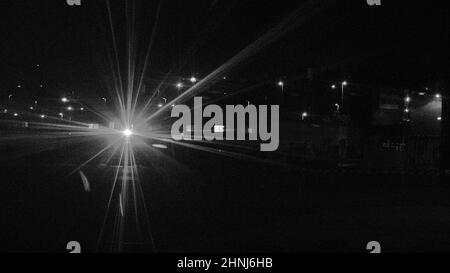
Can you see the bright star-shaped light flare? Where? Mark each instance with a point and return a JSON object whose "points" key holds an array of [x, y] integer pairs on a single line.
{"points": [[127, 132]]}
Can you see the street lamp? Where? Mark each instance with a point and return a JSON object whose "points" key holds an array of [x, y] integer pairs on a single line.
{"points": [[64, 100], [162, 104], [344, 83], [281, 84], [193, 79], [337, 107], [438, 96], [304, 115]]}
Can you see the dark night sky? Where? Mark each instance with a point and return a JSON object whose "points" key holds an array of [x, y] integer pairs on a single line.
{"points": [[401, 44]]}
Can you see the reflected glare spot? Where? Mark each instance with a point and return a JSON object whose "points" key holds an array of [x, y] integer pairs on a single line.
{"points": [[159, 146]]}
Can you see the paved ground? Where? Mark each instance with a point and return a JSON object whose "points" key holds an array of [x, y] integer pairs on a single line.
{"points": [[203, 202]]}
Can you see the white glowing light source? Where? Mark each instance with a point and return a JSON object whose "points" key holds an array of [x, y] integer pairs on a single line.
{"points": [[438, 96], [16, 115], [304, 115], [280, 83], [439, 118], [70, 108], [344, 83], [127, 132], [193, 79], [179, 85], [64, 100], [42, 116], [407, 99]]}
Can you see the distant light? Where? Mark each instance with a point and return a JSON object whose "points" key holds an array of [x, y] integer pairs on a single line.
{"points": [[64, 100], [422, 93], [82, 109], [70, 108], [5, 111], [280, 83], [127, 132], [333, 86], [42, 116], [61, 115], [406, 110], [31, 108], [160, 105], [173, 105], [193, 79], [438, 96], [344, 83], [179, 85], [41, 86], [304, 115], [439, 118], [16, 115], [408, 99]]}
